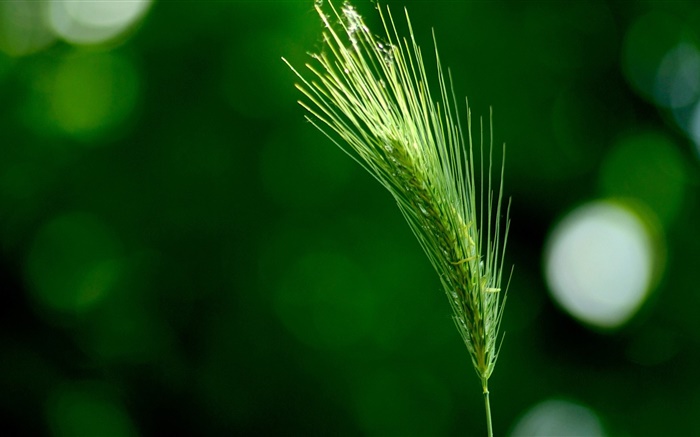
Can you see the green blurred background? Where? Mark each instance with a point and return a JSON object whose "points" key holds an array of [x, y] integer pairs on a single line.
{"points": [[180, 252]]}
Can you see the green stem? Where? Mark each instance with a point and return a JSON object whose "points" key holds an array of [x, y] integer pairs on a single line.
{"points": [[489, 427]]}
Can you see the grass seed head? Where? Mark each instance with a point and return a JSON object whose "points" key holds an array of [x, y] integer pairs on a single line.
{"points": [[371, 96]]}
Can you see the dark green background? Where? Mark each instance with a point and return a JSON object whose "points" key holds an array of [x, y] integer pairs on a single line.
{"points": [[206, 263]]}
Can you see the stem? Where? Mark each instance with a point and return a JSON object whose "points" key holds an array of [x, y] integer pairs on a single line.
{"points": [[489, 427]]}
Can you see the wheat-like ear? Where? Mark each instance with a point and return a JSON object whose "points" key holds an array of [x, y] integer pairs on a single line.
{"points": [[373, 95]]}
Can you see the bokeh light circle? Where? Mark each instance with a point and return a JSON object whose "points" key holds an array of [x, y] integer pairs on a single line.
{"points": [[649, 167], [600, 263], [646, 44], [556, 418], [22, 28], [95, 22], [74, 263], [82, 409], [92, 94], [678, 76]]}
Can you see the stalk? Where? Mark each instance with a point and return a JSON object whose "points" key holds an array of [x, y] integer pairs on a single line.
{"points": [[487, 404]]}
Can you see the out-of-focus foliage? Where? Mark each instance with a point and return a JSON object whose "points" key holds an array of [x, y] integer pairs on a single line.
{"points": [[179, 250]]}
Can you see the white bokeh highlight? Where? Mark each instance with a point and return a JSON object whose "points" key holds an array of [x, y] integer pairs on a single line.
{"points": [[599, 263], [94, 22], [557, 418], [678, 77]]}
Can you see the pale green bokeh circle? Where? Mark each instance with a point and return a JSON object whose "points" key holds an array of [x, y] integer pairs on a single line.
{"points": [[92, 93], [645, 44], [73, 264], [648, 167], [23, 30], [87, 410]]}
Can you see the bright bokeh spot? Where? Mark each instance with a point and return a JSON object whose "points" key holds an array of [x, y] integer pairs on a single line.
{"points": [[600, 263], [647, 167], [678, 76], [94, 22], [87, 410], [74, 263], [557, 418], [92, 93]]}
